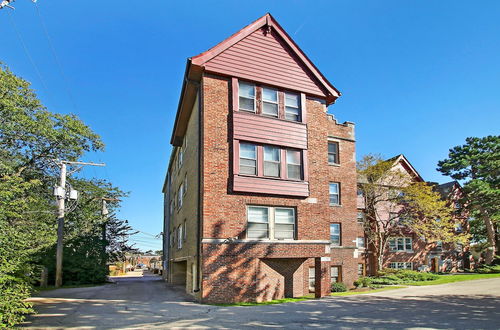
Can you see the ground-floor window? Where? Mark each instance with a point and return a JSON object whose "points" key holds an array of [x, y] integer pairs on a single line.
{"points": [[312, 273], [361, 270], [336, 274], [401, 265]]}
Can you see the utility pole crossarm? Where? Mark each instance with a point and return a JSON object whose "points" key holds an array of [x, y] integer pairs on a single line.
{"points": [[60, 217]]}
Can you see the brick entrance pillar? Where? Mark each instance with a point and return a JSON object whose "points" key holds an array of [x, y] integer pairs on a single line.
{"points": [[322, 277]]}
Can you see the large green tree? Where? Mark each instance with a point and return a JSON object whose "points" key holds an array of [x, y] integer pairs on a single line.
{"points": [[31, 137], [395, 203], [477, 164]]}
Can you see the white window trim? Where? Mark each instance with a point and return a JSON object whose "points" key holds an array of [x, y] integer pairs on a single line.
{"points": [[271, 161], [256, 148], [254, 97], [271, 222], [271, 102], [338, 194], [357, 243], [340, 234], [397, 264], [299, 108], [404, 244]]}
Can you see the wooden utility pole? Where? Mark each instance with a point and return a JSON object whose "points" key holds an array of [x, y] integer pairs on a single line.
{"points": [[62, 195]]}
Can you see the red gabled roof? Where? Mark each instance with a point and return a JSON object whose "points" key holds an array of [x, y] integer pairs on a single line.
{"points": [[267, 20], [196, 66], [409, 167]]}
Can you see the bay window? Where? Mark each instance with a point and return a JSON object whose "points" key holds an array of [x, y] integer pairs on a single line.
{"points": [[271, 222], [270, 161]]}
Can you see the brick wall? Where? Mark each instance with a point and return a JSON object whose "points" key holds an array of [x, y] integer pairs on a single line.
{"points": [[224, 212]]}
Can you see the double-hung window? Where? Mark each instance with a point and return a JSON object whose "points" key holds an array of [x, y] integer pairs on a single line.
{"points": [[179, 237], [400, 244], [184, 189], [335, 234], [246, 96], [284, 223], [360, 242], [361, 217], [248, 158], [180, 195], [334, 193], [271, 222], [293, 165], [401, 265], [333, 152], [272, 162], [258, 222], [270, 102], [292, 106], [361, 270], [335, 274]]}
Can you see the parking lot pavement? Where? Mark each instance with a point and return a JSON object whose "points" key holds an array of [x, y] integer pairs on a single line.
{"points": [[147, 302]]}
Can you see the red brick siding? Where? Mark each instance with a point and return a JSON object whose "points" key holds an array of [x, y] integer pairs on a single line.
{"points": [[224, 212]]}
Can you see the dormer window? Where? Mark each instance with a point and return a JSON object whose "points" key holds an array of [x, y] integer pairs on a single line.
{"points": [[247, 97]]}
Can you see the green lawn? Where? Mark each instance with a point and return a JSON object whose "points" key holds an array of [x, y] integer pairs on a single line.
{"points": [[352, 293], [271, 302], [443, 279]]}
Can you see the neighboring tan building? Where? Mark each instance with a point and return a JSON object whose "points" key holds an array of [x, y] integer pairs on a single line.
{"points": [[260, 194], [408, 250]]}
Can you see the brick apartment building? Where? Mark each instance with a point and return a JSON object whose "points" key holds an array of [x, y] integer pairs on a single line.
{"points": [[260, 194], [408, 250]]}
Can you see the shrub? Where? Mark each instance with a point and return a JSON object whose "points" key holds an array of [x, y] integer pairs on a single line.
{"points": [[387, 280], [489, 269], [339, 287], [363, 282]]}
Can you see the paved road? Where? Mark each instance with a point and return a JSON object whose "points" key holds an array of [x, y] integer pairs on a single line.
{"points": [[147, 302]]}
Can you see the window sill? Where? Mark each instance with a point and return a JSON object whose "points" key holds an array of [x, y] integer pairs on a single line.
{"points": [[334, 164], [250, 113], [336, 205], [268, 178]]}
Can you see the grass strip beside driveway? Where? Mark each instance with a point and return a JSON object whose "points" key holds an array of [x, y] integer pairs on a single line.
{"points": [[443, 279]]}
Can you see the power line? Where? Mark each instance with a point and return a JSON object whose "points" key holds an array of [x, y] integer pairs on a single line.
{"points": [[54, 54], [27, 53]]}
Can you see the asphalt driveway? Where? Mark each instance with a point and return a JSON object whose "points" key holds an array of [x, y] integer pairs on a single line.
{"points": [[147, 302]]}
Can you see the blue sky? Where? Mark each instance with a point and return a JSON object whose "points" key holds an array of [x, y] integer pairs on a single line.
{"points": [[417, 77]]}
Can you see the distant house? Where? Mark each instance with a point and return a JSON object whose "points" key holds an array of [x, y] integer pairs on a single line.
{"points": [[409, 251], [260, 194]]}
